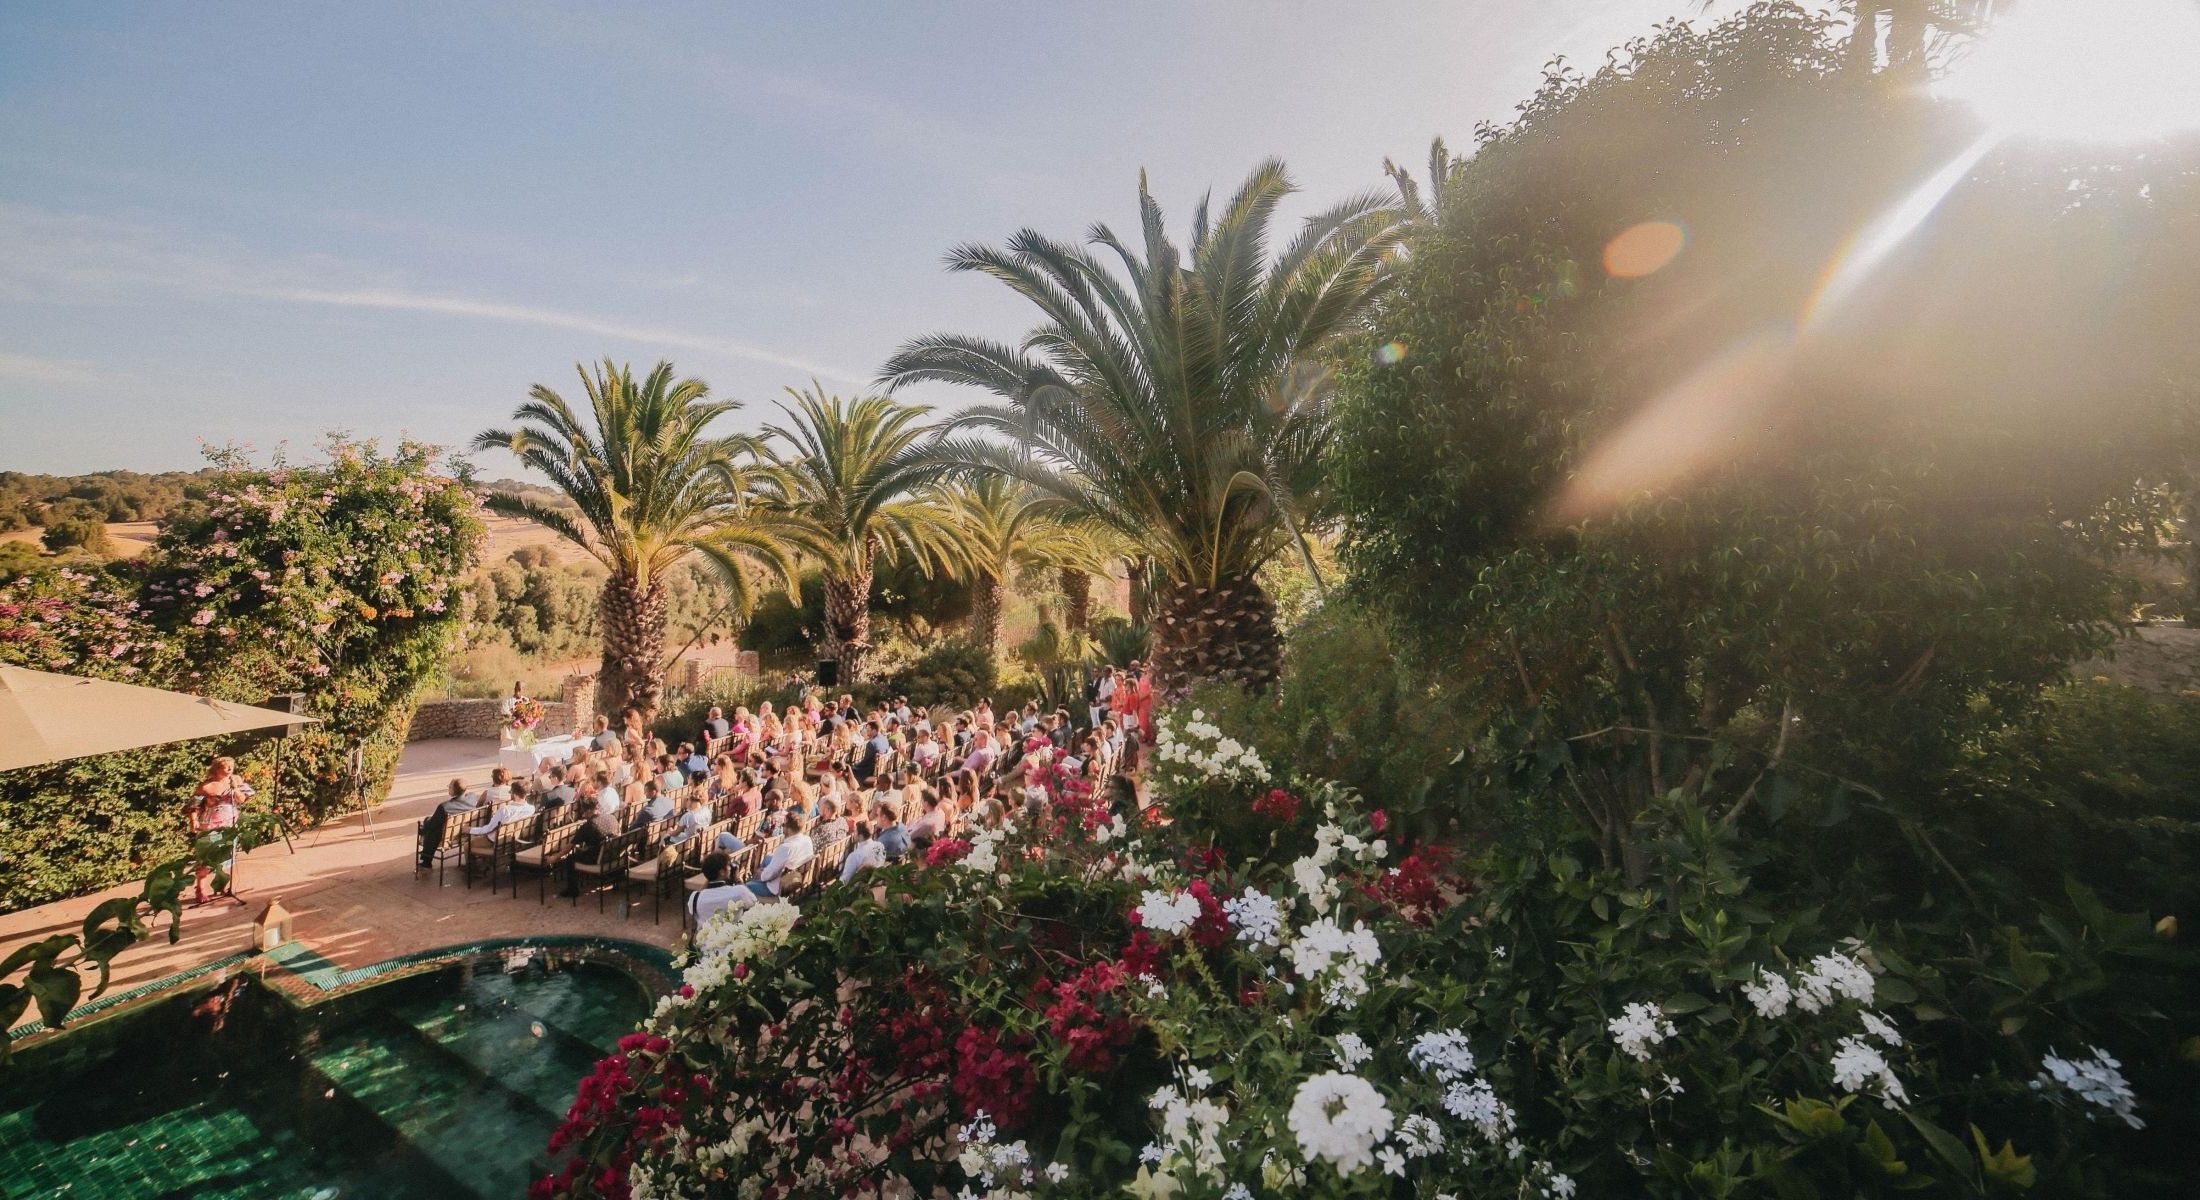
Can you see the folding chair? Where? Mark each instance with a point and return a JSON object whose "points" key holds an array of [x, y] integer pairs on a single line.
{"points": [[610, 862], [544, 856]]}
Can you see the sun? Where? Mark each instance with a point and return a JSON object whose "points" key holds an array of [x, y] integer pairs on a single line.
{"points": [[2085, 70]]}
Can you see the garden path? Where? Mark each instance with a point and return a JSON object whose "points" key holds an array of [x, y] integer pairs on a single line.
{"points": [[352, 891]]}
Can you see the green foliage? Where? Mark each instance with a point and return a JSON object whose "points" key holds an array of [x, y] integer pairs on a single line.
{"points": [[954, 674], [79, 534], [2100, 783], [905, 596], [32, 500], [1631, 516], [1122, 640], [1351, 709], [337, 581]]}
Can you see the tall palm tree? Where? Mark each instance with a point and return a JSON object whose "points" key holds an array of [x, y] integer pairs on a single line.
{"points": [[859, 487], [1006, 526], [650, 489], [1179, 403]]}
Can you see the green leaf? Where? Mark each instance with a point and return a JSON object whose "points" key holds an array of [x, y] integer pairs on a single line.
{"points": [[56, 990], [1943, 1144], [2004, 1167]]}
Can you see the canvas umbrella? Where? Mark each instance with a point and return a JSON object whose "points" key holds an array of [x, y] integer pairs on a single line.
{"points": [[49, 718]]}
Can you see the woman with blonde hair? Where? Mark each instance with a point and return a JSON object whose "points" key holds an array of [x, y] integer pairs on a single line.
{"points": [[217, 805]]}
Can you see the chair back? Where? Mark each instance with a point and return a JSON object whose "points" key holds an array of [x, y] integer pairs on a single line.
{"points": [[622, 849]]}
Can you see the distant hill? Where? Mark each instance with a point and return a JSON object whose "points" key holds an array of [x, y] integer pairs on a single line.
{"points": [[114, 497]]}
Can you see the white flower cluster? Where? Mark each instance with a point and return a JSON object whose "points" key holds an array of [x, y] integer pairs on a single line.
{"points": [[1828, 976], [1200, 744], [1259, 919], [1339, 1119], [1857, 1064], [1352, 1050], [2098, 1081], [1191, 1128], [1638, 1027], [985, 852], [1475, 1102], [1312, 873], [1443, 1054], [1114, 829], [990, 1161], [1168, 912], [1337, 958], [736, 935]]}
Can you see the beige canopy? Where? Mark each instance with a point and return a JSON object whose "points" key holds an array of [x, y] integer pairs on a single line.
{"points": [[48, 718]]}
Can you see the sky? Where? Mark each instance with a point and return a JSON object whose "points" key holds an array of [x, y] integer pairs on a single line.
{"points": [[255, 224]]}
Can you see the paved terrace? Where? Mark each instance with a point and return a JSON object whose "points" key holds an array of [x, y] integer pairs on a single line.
{"points": [[352, 891]]}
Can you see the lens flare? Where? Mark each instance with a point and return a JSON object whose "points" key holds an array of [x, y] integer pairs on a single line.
{"points": [[2081, 70], [1390, 354], [1644, 249], [1713, 418]]}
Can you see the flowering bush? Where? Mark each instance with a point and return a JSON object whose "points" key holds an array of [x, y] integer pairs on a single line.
{"points": [[331, 580], [1129, 1009]]}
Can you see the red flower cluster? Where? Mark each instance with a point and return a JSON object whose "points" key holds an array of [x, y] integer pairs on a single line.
{"points": [[1075, 1018], [1212, 928], [1278, 805], [945, 851], [992, 1078], [616, 1079], [1416, 886]]}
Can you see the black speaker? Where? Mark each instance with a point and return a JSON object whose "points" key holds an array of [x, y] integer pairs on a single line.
{"points": [[828, 672]]}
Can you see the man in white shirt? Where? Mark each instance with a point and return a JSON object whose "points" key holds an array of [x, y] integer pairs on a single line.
{"points": [[868, 852], [716, 894], [1103, 696], [794, 850], [513, 809]]}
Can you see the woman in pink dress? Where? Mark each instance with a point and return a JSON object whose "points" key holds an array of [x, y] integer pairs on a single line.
{"points": [[216, 806]]}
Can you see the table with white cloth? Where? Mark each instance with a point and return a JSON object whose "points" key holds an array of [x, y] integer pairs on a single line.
{"points": [[524, 761]]}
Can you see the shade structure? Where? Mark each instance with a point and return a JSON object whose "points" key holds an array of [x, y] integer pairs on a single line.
{"points": [[49, 718]]}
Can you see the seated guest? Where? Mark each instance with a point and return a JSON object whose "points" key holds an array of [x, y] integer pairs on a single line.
{"points": [[564, 791], [981, 756], [499, 789], [867, 852], [656, 804], [511, 811], [669, 777], [926, 752], [717, 894], [715, 725], [432, 826], [603, 739], [793, 850], [693, 764], [931, 826], [876, 749], [892, 835], [830, 828]]}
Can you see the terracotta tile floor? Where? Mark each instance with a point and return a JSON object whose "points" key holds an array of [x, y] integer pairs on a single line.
{"points": [[353, 892]]}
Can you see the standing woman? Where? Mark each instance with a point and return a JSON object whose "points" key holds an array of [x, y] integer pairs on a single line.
{"points": [[215, 806]]}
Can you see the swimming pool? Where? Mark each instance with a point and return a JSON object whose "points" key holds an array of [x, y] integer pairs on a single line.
{"points": [[443, 1083]]}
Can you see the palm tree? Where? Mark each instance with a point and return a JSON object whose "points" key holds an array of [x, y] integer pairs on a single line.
{"points": [[649, 489], [1006, 527], [1180, 404], [858, 485]]}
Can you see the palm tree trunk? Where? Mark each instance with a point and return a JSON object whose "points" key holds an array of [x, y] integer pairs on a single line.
{"points": [[1141, 572], [1076, 588], [848, 623], [988, 600], [1226, 633], [633, 613]]}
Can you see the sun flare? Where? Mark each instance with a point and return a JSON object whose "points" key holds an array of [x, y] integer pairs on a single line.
{"points": [[2080, 70]]}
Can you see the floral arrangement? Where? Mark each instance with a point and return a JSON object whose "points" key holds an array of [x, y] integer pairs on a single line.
{"points": [[526, 714], [1118, 1007]]}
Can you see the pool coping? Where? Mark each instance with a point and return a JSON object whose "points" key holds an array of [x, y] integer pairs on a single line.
{"points": [[321, 980]]}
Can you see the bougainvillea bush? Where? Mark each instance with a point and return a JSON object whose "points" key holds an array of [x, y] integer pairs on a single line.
{"points": [[1134, 1007], [336, 580]]}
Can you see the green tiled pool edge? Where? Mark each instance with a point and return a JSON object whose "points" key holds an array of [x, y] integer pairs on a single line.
{"points": [[329, 980]]}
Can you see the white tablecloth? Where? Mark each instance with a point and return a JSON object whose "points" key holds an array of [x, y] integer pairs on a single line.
{"points": [[523, 761]]}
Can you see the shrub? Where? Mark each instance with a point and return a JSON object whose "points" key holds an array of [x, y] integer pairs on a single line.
{"points": [[79, 534], [1097, 1008], [337, 581]]}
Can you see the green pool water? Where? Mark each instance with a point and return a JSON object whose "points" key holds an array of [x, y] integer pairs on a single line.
{"points": [[441, 1084]]}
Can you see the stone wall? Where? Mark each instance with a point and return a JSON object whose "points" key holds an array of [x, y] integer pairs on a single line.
{"points": [[2161, 658], [481, 718]]}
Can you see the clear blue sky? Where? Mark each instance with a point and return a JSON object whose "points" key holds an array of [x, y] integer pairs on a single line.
{"points": [[261, 222]]}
